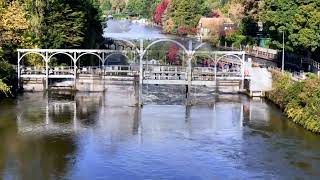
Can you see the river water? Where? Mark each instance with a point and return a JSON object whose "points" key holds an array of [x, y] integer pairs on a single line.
{"points": [[89, 136], [125, 29], [86, 136]]}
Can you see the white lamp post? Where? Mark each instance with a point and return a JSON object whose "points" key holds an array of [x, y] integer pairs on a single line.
{"points": [[282, 51]]}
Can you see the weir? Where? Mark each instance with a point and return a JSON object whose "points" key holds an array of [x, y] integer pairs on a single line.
{"points": [[228, 70]]}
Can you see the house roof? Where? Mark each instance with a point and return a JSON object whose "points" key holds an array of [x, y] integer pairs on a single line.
{"points": [[214, 23]]}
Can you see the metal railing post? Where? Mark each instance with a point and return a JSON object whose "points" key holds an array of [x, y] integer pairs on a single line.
{"points": [[75, 69], [47, 71], [19, 71], [141, 54], [242, 70]]}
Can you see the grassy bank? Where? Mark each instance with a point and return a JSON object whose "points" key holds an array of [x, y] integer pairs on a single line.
{"points": [[299, 100]]}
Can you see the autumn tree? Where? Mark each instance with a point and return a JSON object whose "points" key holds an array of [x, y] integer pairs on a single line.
{"points": [[13, 24], [160, 11], [186, 13], [172, 55]]}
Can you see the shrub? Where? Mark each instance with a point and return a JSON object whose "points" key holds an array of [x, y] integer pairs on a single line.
{"points": [[299, 100]]}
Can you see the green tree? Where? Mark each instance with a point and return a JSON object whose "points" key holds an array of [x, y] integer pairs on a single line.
{"points": [[298, 19], [137, 7], [185, 13], [105, 6], [65, 26], [70, 24]]}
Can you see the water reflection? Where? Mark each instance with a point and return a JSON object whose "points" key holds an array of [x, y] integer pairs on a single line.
{"points": [[128, 30], [85, 136]]}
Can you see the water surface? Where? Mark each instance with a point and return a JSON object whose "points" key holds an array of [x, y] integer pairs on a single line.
{"points": [[125, 29], [83, 136]]}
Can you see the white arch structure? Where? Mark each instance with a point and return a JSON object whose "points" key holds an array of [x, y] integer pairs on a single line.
{"points": [[103, 55], [74, 54]]}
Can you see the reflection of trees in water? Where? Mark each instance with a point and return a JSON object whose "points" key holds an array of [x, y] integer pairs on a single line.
{"points": [[24, 156], [45, 157], [8, 137]]}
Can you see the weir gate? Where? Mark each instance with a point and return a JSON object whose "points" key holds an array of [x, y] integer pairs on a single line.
{"points": [[224, 70]]}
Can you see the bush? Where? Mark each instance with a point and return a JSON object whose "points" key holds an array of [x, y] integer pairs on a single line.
{"points": [[7, 74], [4, 88], [299, 100]]}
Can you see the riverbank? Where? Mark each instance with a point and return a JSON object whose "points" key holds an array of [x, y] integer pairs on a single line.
{"points": [[8, 80], [299, 100]]}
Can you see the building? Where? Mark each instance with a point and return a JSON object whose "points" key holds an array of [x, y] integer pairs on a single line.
{"points": [[214, 25]]}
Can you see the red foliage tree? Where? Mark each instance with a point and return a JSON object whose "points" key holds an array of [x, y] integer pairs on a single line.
{"points": [[183, 31], [172, 55], [160, 10]]}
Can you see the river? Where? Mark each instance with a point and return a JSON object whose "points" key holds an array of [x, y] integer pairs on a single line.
{"points": [[90, 136], [86, 136]]}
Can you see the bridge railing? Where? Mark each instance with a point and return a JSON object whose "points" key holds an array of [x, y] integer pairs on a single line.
{"points": [[211, 73], [25, 71], [156, 72], [111, 70], [121, 70], [148, 75], [33, 71], [63, 70], [151, 72], [89, 70]]}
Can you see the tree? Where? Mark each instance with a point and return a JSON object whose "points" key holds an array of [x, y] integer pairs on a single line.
{"points": [[65, 26], [71, 24], [105, 6], [172, 55], [4, 88], [118, 5], [236, 11], [185, 13], [137, 7], [299, 20], [159, 11], [13, 24]]}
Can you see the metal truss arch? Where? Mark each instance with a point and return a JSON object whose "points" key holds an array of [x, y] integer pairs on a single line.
{"points": [[27, 53]]}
